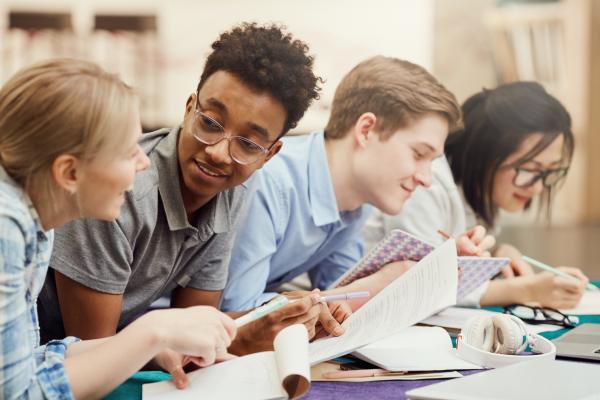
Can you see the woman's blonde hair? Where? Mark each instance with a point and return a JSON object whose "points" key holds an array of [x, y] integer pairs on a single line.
{"points": [[60, 106]]}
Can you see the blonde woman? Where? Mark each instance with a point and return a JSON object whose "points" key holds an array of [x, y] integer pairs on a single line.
{"points": [[68, 149]]}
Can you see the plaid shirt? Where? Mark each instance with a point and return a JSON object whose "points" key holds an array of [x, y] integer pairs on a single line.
{"points": [[27, 370]]}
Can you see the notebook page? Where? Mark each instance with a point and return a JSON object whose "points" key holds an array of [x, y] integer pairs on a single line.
{"points": [[291, 355], [417, 348], [424, 289], [589, 304], [250, 377]]}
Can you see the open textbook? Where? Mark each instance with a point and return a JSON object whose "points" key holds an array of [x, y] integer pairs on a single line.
{"points": [[400, 246], [423, 290], [280, 374]]}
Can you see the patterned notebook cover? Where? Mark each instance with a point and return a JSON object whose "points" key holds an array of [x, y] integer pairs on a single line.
{"points": [[399, 246]]}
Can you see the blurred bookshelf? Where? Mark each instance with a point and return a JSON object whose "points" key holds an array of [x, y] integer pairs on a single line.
{"points": [[126, 44], [556, 43]]}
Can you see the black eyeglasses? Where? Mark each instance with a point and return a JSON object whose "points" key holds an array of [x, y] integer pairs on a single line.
{"points": [[541, 315], [527, 177], [210, 132]]}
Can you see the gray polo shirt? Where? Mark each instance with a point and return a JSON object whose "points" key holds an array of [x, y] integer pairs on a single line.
{"points": [[151, 248]]}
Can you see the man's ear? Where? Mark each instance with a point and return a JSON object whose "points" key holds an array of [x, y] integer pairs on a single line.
{"points": [[363, 128], [64, 172], [190, 104], [274, 150]]}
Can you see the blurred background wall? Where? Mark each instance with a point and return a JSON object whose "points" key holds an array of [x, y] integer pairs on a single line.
{"points": [[159, 47]]}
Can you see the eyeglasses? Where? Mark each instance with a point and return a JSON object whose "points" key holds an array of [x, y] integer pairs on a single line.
{"points": [[527, 177], [210, 132], [541, 315]]}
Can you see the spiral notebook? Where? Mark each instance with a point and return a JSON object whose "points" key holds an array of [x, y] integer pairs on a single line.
{"points": [[400, 246]]}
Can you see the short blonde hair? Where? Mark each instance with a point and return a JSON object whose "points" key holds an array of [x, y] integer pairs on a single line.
{"points": [[60, 106], [396, 91]]}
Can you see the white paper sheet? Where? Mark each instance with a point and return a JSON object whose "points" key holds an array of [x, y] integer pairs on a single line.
{"points": [[417, 348], [589, 304], [251, 377], [424, 289]]}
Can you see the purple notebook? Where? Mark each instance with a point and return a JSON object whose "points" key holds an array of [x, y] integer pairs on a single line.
{"points": [[400, 246]]}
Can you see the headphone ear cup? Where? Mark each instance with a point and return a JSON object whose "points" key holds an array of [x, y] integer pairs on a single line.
{"points": [[479, 333], [508, 335]]}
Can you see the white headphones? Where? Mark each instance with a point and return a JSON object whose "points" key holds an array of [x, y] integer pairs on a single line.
{"points": [[493, 341]]}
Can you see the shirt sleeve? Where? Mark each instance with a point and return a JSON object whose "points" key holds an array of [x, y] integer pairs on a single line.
{"points": [[473, 299], [93, 253], [255, 244], [25, 372]]}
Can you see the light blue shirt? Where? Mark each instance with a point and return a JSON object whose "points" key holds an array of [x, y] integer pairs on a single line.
{"points": [[27, 370], [292, 226]]}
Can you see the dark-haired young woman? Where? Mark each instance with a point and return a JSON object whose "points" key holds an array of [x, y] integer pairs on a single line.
{"points": [[515, 148]]}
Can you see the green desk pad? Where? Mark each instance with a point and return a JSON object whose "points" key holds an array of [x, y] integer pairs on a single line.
{"points": [[132, 388]]}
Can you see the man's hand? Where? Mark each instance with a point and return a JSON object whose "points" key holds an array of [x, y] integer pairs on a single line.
{"points": [[332, 314], [259, 335]]}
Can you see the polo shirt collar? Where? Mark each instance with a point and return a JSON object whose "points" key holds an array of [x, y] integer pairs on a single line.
{"points": [[323, 202], [214, 217]]}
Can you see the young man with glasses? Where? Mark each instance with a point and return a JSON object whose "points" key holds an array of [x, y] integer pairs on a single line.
{"points": [[389, 119], [515, 148], [176, 229]]}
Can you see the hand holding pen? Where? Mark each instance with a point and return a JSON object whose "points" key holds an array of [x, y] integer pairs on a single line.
{"points": [[258, 328], [474, 242]]}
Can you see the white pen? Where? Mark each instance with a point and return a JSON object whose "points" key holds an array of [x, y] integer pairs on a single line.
{"points": [[341, 296], [345, 296]]}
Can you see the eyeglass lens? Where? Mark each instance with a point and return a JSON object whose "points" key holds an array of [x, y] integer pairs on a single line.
{"points": [[527, 177], [243, 150]]}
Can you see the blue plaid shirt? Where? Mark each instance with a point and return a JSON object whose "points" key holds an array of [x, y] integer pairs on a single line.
{"points": [[27, 370]]}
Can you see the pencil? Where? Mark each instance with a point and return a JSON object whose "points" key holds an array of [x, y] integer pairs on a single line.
{"points": [[444, 234], [558, 272], [360, 373]]}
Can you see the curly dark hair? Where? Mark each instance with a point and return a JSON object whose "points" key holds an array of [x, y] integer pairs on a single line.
{"points": [[269, 60]]}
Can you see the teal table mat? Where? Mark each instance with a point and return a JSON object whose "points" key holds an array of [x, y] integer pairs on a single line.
{"points": [[132, 388]]}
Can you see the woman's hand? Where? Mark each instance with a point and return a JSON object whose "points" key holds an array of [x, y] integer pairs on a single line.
{"points": [[517, 266], [174, 363], [475, 242], [202, 332], [551, 290]]}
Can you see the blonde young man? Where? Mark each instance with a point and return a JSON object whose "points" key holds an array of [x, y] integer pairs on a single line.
{"points": [[389, 120]]}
